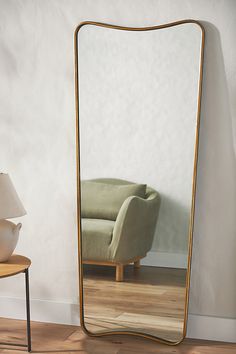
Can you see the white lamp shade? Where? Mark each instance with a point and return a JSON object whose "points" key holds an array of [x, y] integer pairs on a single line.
{"points": [[10, 204]]}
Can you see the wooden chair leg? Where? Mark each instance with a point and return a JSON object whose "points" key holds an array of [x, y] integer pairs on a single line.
{"points": [[137, 264], [119, 272]]}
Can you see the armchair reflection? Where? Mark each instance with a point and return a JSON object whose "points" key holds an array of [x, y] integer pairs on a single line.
{"points": [[118, 222]]}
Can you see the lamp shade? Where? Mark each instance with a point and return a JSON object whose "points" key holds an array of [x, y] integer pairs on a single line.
{"points": [[10, 204]]}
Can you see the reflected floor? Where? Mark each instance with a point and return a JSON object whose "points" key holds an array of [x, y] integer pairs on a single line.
{"points": [[150, 300]]}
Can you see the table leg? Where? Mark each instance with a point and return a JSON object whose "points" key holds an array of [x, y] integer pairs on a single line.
{"points": [[28, 309]]}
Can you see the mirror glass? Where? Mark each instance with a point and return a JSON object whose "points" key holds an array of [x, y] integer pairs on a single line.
{"points": [[138, 108]]}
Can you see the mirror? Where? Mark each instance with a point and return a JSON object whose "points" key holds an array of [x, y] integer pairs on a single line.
{"points": [[138, 109]]}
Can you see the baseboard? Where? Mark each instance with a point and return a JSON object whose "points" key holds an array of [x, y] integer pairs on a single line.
{"points": [[41, 310], [199, 327], [211, 328], [166, 260]]}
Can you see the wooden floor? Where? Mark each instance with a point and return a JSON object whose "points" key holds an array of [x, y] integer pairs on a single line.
{"points": [[54, 338], [149, 300]]}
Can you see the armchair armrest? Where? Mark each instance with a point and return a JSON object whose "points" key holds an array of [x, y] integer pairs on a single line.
{"points": [[134, 228]]}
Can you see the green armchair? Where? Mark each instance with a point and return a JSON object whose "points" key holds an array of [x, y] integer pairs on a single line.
{"points": [[118, 222]]}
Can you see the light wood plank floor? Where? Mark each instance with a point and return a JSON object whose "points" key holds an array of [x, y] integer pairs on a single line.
{"points": [[150, 300], [54, 338]]}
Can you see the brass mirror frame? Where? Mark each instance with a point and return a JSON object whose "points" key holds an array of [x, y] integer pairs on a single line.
{"points": [[191, 223]]}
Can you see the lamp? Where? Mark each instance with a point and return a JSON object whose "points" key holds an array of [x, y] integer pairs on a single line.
{"points": [[10, 207]]}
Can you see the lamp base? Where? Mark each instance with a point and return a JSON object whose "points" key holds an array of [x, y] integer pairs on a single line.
{"points": [[9, 234]]}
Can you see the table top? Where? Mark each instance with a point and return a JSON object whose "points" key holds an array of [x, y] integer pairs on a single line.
{"points": [[15, 264]]}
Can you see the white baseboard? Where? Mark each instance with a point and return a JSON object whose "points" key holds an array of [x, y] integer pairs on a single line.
{"points": [[211, 328], [41, 310], [199, 327], [164, 259]]}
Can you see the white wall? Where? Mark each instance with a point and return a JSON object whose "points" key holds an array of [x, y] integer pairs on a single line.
{"points": [[37, 144]]}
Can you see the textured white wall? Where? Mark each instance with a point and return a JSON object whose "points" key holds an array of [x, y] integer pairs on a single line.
{"points": [[138, 111], [37, 139]]}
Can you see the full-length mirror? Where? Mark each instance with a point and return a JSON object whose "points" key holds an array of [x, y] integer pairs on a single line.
{"points": [[138, 106]]}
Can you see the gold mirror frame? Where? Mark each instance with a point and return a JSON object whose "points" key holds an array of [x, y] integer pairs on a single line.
{"points": [[191, 224]]}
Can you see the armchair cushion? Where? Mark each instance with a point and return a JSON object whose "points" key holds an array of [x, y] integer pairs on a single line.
{"points": [[103, 200], [96, 238]]}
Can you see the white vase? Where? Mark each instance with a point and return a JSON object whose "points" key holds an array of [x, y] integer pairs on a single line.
{"points": [[9, 234]]}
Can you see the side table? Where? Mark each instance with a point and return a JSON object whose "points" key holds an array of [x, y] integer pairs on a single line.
{"points": [[15, 265]]}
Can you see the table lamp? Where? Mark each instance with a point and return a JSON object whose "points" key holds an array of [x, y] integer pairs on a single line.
{"points": [[10, 207]]}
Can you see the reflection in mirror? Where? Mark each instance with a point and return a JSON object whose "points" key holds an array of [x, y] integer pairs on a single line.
{"points": [[138, 110]]}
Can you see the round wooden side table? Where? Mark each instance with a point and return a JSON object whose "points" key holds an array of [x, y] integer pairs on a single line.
{"points": [[15, 265]]}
